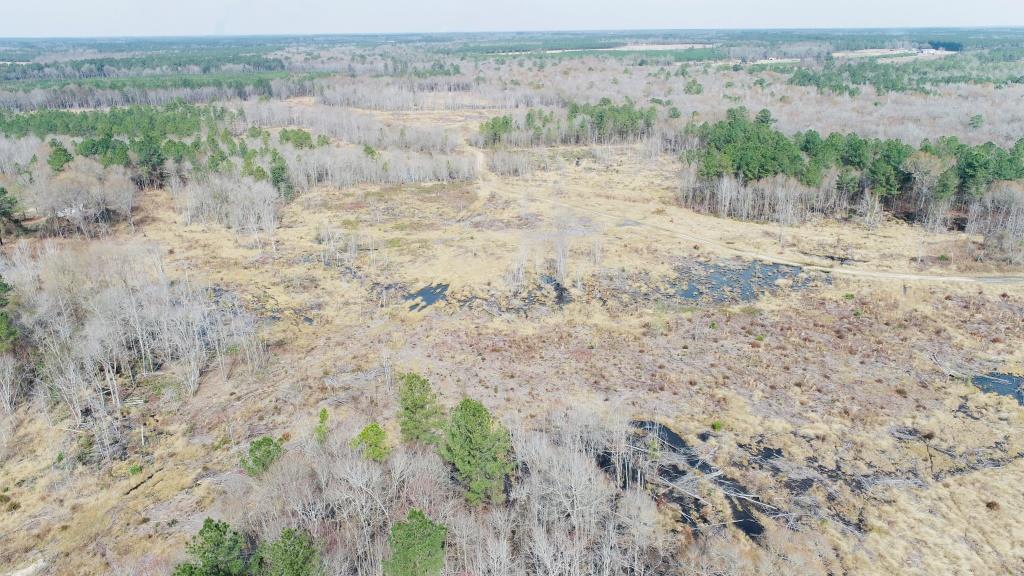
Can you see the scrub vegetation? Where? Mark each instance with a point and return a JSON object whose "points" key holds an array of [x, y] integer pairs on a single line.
{"points": [[623, 303]]}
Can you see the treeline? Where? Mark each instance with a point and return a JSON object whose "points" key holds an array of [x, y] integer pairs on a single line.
{"points": [[604, 122], [404, 68], [640, 56], [153, 90], [848, 78], [436, 93], [141, 138], [751, 149], [220, 165], [745, 168], [346, 166], [176, 119], [348, 125], [148, 64]]}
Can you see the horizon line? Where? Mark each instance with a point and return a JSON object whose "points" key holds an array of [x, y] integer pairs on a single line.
{"points": [[523, 31]]}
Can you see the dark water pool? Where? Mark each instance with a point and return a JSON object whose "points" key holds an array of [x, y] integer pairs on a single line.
{"points": [[426, 297], [744, 283], [1002, 384]]}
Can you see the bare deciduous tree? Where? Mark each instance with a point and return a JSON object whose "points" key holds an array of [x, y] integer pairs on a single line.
{"points": [[85, 196]]}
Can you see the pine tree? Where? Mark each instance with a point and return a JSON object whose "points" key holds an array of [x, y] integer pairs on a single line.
{"points": [[293, 554], [417, 547], [420, 415], [8, 206], [150, 160], [479, 448], [59, 156], [373, 441], [8, 331], [262, 453], [280, 177], [218, 550], [320, 431]]}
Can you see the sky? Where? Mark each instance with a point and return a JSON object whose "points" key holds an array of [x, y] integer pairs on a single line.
{"points": [[49, 18]]}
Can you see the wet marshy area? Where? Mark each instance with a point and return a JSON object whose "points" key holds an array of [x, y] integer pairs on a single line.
{"points": [[691, 283], [731, 283], [681, 476], [805, 488], [678, 476], [1002, 384], [703, 283]]}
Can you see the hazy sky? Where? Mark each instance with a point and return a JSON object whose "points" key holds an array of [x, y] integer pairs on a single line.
{"points": [[202, 17]]}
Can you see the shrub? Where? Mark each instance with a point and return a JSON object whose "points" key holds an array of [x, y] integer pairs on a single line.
{"points": [[262, 453], [417, 547], [479, 449], [420, 415], [293, 554], [217, 550], [320, 432], [493, 129], [693, 87], [59, 156], [373, 441], [297, 137], [8, 331], [280, 177]]}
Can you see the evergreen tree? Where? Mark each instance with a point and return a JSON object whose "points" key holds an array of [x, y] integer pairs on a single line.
{"points": [[8, 331], [420, 416], [150, 161], [59, 156], [479, 448], [279, 176], [262, 453], [217, 550], [417, 547], [320, 431], [8, 206], [884, 181], [764, 117], [293, 554], [494, 129], [373, 441]]}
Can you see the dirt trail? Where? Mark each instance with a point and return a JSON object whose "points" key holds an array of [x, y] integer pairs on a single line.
{"points": [[486, 186]]}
